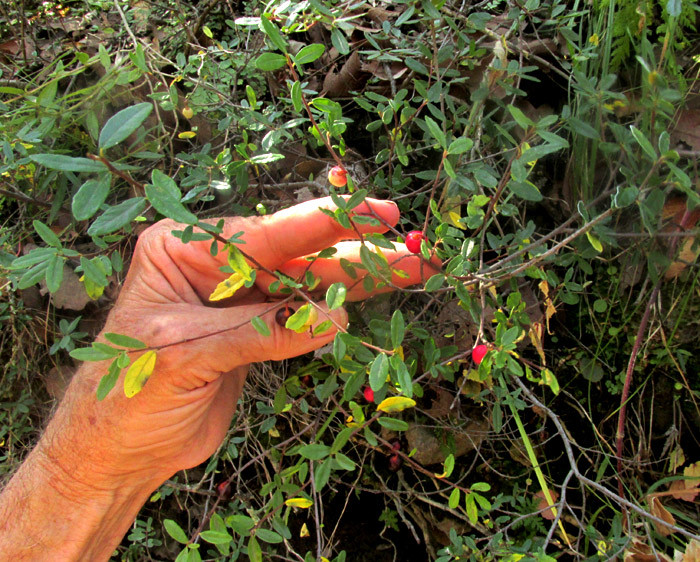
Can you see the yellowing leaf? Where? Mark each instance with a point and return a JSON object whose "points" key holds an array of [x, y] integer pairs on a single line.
{"points": [[228, 287], [395, 404], [304, 531], [238, 263], [536, 334], [138, 373], [455, 219], [93, 290], [550, 380], [597, 246], [187, 135], [302, 319], [302, 503]]}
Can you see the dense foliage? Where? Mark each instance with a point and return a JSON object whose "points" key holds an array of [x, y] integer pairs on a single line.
{"points": [[548, 153]]}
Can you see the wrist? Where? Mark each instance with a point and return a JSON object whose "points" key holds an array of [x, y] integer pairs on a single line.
{"points": [[86, 444], [46, 514]]}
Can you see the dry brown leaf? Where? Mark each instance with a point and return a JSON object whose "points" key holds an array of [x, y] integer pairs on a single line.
{"points": [[349, 77], [687, 128], [692, 552], [642, 552], [680, 219], [657, 509], [688, 489], [536, 333], [547, 514]]}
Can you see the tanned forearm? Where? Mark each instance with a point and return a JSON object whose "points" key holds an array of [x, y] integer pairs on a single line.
{"points": [[65, 502], [44, 518]]}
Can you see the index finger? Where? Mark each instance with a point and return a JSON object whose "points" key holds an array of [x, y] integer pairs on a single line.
{"points": [[276, 239]]}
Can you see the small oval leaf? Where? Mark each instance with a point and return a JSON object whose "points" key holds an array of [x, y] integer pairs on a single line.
{"points": [[122, 124], [396, 404], [139, 373]]}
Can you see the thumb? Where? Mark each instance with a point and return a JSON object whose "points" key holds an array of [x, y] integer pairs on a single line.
{"points": [[235, 341]]}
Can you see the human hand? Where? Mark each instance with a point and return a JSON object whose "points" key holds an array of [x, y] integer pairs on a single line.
{"points": [[182, 414]]}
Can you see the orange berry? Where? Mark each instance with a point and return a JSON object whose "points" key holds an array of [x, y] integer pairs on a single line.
{"points": [[337, 176]]}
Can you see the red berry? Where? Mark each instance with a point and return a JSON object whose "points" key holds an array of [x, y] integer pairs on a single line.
{"points": [[413, 240], [337, 176], [394, 462], [368, 393], [224, 490], [478, 353]]}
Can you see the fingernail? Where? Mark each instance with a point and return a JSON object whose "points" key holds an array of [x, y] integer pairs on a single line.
{"points": [[388, 210]]}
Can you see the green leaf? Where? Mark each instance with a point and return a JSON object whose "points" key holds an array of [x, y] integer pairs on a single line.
{"points": [[34, 275], [267, 158], [339, 41], [54, 273], [510, 335], [254, 550], [108, 381], [273, 33], [216, 537], [644, 143], [525, 190], [335, 295], [453, 502], [92, 353], [270, 61], [268, 536], [378, 372], [122, 124], [241, 524], [315, 451], [165, 195], [175, 531], [393, 424], [88, 199], [398, 328], [68, 163], [36, 256], [117, 217], [260, 326], [520, 118], [341, 439], [436, 132], [47, 235], [94, 271], [139, 373], [309, 53], [460, 145], [470, 506], [322, 474], [343, 462], [435, 282], [296, 96], [449, 465], [480, 487], [124, 341]]}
